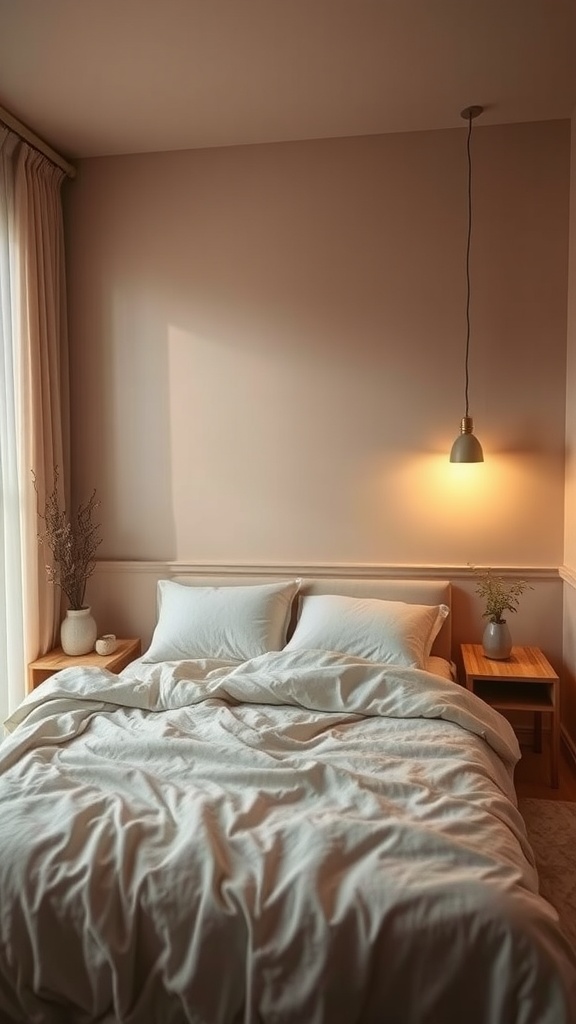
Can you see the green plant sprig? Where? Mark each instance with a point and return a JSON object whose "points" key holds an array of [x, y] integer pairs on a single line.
{"points": [[73, 541], [499, 596]]}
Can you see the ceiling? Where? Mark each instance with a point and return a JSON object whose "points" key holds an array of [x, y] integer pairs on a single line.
{"points": [[100, 77]]}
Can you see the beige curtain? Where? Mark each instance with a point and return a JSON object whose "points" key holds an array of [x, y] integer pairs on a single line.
{"points": [[40, 359]]}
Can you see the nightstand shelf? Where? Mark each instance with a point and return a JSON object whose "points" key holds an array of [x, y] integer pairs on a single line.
{"points": [[523, 682], [55, 660], [511, 696]]}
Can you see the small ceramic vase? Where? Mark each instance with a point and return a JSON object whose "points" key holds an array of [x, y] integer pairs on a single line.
{"points": [[78, 632], [497, 641]]}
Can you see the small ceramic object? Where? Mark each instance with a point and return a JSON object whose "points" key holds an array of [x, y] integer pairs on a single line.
{"points": [[106, 644], [497, 641], [78, 632]]}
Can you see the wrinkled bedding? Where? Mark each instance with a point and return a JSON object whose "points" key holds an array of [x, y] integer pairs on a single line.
{"points": [[304, 838]]}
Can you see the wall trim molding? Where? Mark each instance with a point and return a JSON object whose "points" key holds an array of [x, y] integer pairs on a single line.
{"points": [[363, 570], [568, 574]]}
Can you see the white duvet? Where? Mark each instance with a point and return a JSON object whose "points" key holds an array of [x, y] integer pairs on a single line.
{"points": [[301, 839]]}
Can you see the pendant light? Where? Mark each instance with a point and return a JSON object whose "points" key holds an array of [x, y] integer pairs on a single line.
{"points": [[467, 447]]}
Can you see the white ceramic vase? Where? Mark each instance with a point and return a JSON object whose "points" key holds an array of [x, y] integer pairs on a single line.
{"points": [[497, 641], [78, 631]]}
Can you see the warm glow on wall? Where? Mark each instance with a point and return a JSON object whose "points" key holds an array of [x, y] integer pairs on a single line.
{"points": [[463, 481], [456, 498], [482, 509]]}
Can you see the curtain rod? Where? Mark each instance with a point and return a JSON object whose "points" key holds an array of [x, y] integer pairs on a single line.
{"points": [[9, 121]]}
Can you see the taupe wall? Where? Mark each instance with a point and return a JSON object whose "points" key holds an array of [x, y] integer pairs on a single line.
{"points": [[267, 348]]}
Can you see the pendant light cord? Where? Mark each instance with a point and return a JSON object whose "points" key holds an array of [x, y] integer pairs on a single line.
{"points": [[468, 240]]}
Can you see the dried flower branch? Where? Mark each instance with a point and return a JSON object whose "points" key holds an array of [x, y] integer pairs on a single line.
{"points": [[73, 542]]}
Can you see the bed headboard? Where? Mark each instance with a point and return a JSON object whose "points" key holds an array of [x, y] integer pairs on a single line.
{"points": [[411, 591]]}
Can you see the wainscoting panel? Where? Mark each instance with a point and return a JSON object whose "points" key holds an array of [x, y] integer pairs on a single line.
{"points": [[123, 595]]}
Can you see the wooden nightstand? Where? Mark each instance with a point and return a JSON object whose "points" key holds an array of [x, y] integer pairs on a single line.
{"points": [[523, 682], [48, 664]]}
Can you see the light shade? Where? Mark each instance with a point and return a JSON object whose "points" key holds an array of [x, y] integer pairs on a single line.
{"points": [[466, 447]]}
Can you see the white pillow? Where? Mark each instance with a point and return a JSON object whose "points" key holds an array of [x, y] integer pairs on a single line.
{"points": [[441, 667], [229, 623], [392, 632]]}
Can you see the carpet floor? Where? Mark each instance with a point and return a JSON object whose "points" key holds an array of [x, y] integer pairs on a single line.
{"points": [[551, 827]]}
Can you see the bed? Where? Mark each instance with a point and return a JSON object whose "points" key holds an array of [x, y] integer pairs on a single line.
{"points": [[286, 812]]}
